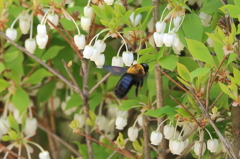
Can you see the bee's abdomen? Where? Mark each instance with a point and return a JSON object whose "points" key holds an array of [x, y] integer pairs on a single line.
{"points": [[124, 85]]}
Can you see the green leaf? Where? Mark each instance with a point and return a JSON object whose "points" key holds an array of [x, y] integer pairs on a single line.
{"points": [[199, 72], [183, 112], [38, 76], [184, 82], [16, 63], [192, 27], [160, 112], [67, 25], [236, 74], [13, 135], [146, 51], [147, 19], [21, 100], [46, 91], [74, 101], [210, 7], [128, 104], [214, 38], [200, 51], [6, 138], [169, 62], [237, 2], [2, 67], [234, 11], [11, 56], [99, 12], [3, 84], [226, 90], [183, 72], [142, 9], [126, 16], [13, 122], [52, 52]]}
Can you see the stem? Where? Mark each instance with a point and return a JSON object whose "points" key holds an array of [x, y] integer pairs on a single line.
{"points": [[120, 49], [28, 153], [123, 41], [38, 146], [176, 128], [209, 133], [170, 24], [19, 151], [161, 124], [201, 146], [98, 35], [14, 22], [89, 1], [31, 29], [146, 137], [163, 13], [182, 131], [79, 33], [100, 109], [44, 17]]}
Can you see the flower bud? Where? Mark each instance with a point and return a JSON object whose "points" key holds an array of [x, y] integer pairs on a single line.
{"points": [[41, 30], [160, 26], [80, 41], [100, 61], [30, 45], [44, 155], [135, 20], [120, 122], [101, 122], [132, 133], [176, 21], [127, 58], [85, 23], [205, 18], [24, 25], [88, 11], [31, 126], [42, 41], [156, 138], [197, 146], [88, 51], [140, 120], [158, 39], [168, 131], [11, 33], [81, 119], [109, 2], [54, 19], [117, 61], [212, 145]]}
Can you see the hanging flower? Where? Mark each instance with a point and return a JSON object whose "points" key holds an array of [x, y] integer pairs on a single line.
{"points": [[11, 33], [109, 2], [168, 131], [135, 20], [85, 23], [24, 22], [41, 30], [177, 146], [31, 126], [156, 138], [140, 120], [127, 58], [100, 45], [81, 119], [44, 155], [117, 61], [160, 26], [101, 122], [30, 45], [54, 19], [100, 61], [42, 41], [132, 133], [168, 39], [197, 146], [158, 39], [88, 11], [176, 21], [96, 54], [121, 122], [205, 18], [212, 145], [4, 125], [80, 41], [88, 51]]}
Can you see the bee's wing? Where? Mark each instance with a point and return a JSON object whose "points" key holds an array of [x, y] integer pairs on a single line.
{"points": [[115, 70]]}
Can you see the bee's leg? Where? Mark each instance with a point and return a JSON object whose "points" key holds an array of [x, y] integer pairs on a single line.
{"points": [[136, 90], [141, 84]]}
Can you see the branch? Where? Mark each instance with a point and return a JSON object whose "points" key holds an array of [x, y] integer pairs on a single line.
{"points": [[72, 78], [5, 149], [201, 146], [100, 82]]}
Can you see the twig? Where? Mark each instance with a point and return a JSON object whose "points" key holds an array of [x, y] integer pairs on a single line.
{"points": [[201, 144], [187, 111], [72, 78], [146, 138], [208, 90], [5, 149], [215, 100], [217, 155], [100, 82], [60, 140], [40, 61]]}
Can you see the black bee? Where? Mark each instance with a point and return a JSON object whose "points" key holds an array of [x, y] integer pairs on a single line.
{"points": [[134, 76]]}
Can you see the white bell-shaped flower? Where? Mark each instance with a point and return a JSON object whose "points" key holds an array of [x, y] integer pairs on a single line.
{"points": [[54, 19], [177, 43], [160, 26], [120, 122], [177, 146], [168, 131], [96, 54], [176, 21], [88, 11], [88, 51], [100, 61], [205, 18], [140, 120], [168, 39], [127, 57], [101, 122], [212, 145], [135, 20], [4, 125], [11, 33], [100, 45], [117, 61], [158, 39], [24, 26], [31, 126], [85, 23], [197, 146], [30, 45], [17, 115], [81, 119], [41, 30], [80, 41], [156, 138], [42, 41], [44, 155], [109, 2], [132, 133]]}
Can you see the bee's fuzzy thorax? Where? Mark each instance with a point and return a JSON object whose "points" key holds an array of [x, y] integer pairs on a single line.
{"points": [[136, 69]]}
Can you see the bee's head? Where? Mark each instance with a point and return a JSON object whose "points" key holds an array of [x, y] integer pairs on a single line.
{"points": [[145, 67]]}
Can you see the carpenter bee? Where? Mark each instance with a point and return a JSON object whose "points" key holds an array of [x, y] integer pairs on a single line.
{"points": [[134, 75]]}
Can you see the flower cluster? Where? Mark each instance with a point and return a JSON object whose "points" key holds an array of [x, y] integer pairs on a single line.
{"points": [[170, 38]]}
